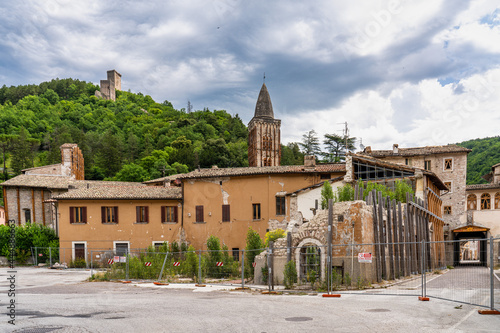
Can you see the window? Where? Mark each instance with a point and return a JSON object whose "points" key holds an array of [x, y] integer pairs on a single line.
{"points": [[280, 205], [448, 164], [109, 214], [77, 214], [256, 211], [141, 214], [121, 248], [407, 161], [79, 251], [471, 202], [236, 253], [27, 216], [497, 200], [448, 185], [199, 214], [169, 214], [226, 214], [158, 245], [485, 201], [427, 165], [447, 210], [324, 176]]}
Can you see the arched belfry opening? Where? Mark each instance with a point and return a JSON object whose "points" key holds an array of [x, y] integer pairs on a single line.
{"points": [[264, 141]]}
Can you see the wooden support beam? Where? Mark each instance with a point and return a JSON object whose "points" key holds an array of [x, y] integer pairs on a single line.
{"points": [[382, 238], [390, 241], [373, 196]]}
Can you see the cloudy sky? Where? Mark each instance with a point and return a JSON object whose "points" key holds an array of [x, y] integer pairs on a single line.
{"points": [[409, 72]]}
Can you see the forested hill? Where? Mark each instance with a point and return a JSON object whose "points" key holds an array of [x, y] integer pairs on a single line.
{"points": [[132, 139], [485, 153]]}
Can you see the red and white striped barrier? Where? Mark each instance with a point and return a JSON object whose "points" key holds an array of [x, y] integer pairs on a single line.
{"points": [[177, 263], [147, 264], [254, 264], [220, 263], [110, 261]]}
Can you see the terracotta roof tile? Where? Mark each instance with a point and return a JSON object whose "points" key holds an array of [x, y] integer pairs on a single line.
{"points": [[58, 182], [482, 187], [418, 151], [122, 192], [248, 171]]}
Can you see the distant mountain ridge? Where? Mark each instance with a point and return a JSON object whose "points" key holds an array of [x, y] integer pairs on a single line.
{"points": [[485, 153]]}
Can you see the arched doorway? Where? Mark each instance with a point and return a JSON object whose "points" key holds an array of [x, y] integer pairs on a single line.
{"points": [[470, 246], [310, 258]]}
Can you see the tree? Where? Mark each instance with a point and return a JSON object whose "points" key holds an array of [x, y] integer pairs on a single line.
{"points": [[326, 194], [253, 248], [132, 173], [310, 143], [291, 154], [23, 151], [214, 152], [5, 146], [336, 147]]}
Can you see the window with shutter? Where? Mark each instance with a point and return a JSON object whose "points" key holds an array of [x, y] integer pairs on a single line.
{"points": [[226, 215], [280, 205], [169, 214], [109, 214], [142, 214], [77, 214], [199, 214]]}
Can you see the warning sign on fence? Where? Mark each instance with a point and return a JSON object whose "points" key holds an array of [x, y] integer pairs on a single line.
{"points": [[110, 261], [220, 263], [147, 264], [40, 254], [365, 257], [177, 263], [254, 264], [116, 259], [123, 259]]}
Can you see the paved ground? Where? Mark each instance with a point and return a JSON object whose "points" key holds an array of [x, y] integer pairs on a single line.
{"points": [[57, 301]]}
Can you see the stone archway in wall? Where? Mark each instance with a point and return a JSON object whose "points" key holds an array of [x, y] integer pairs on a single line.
{"points": [[306, 247]]}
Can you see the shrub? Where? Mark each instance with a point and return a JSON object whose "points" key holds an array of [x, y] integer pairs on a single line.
{"points": [[290, 274], [253, 248], [344, 193], [273, 235], [326, 194], [78, 263]]}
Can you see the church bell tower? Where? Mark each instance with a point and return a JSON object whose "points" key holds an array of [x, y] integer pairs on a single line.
{"points": [[264, 144]]}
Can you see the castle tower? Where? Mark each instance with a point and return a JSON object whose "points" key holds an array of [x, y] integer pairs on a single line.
{"points": [[110, 86], [264, 144]]}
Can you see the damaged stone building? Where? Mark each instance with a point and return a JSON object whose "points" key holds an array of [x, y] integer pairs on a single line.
{"points": [[358, 226]]}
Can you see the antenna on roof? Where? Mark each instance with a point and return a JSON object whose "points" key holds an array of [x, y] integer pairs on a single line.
{"points": [[264, 77]]}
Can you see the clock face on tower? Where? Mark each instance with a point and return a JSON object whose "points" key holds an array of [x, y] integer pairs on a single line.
{"points": [[264, 146]]}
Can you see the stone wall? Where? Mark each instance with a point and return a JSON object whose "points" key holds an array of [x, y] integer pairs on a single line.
{"points": [[457, 176], [352, 226]]}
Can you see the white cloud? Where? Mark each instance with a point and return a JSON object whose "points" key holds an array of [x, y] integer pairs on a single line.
{"points": [[441, 116]]}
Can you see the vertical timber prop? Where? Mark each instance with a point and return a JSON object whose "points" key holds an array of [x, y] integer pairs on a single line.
{"points": [[401, 241], [382, 235], [373, 196], [390, 241], [397, 257]]}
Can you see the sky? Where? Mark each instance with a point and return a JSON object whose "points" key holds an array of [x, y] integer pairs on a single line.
{"points": [[416, 73]]}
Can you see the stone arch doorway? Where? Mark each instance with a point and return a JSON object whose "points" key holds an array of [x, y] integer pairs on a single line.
{"points": [[310, 255], [470, 248]]}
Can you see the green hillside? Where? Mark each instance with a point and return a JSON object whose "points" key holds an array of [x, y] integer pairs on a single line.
{"points": [[132, 139], [485, 153]]}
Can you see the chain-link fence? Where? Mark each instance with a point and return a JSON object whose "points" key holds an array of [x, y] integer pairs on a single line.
{"points": [[470, 273]]}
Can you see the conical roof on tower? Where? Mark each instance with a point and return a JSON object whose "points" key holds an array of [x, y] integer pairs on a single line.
{"points": [[264, 107]]}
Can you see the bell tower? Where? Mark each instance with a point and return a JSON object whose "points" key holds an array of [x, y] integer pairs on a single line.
{"points": [[264, 143]]}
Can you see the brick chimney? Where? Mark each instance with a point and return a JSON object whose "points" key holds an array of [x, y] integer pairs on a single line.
{"points": [[310, 161], [395, 149], [72, 161], [368, 149]]}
